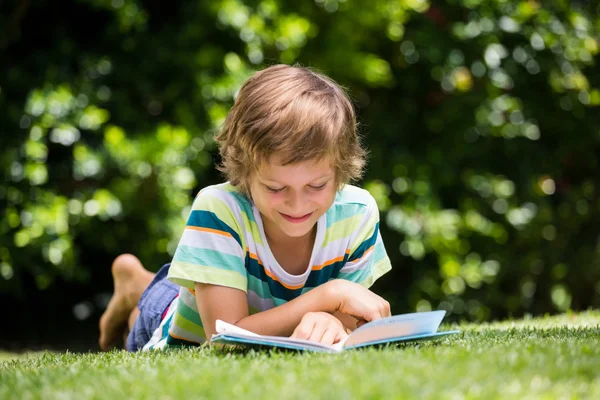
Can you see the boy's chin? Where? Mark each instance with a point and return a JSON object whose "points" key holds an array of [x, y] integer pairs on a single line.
{"points": [[298, 231]]}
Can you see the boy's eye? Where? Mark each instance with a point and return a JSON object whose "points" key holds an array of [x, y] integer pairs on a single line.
{"points": [[319, 187], [274, 190], [277, 190]]}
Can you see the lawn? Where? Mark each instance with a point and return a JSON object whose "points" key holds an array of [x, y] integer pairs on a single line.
{"points": [[551, 357]]}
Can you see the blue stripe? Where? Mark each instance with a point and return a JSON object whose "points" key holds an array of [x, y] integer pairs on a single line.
{"points": [[207, 219], [275, 287], [358, 276], [364, 246], [339, 212], [260, 287], [277, 290], [353, 195], [171, 341], [332, 271], [379, 251], [244, 205], [208, 257], [166, 326]]}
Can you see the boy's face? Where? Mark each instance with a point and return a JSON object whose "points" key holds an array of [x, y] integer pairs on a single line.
{"points": [[291, 198]]}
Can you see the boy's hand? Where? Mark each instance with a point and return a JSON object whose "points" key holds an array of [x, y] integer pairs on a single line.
{"points": [[320, 327], [358, 301]]}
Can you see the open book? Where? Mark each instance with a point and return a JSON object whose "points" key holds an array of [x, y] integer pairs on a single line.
{"points": [[398, 328]]}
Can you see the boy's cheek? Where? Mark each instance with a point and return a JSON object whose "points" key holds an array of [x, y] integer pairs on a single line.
{"points": [[272, 202]]}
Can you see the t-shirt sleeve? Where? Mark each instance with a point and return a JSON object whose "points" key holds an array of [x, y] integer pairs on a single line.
{"points": [[367, 260], [210, 249]]}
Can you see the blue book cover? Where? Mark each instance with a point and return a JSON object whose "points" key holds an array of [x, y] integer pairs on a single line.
{"points": [[398, 328]]}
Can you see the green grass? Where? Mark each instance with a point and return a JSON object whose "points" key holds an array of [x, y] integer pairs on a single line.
{"points": [[548, 358]]}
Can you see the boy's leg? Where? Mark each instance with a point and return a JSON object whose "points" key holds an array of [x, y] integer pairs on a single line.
{"points": [[130, 280]]}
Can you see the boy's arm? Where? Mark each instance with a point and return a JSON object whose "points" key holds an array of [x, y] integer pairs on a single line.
{"points": [[231, 305]]}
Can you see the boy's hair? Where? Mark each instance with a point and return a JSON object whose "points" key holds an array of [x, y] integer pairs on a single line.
{"points": [[293, 112]]}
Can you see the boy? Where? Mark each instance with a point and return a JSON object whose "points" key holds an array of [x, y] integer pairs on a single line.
{"points": [[285, 247]]}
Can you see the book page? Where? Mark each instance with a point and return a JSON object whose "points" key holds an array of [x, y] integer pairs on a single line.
{"points": [[224, 327], [232, 331], [397, 326], [299, 343]]}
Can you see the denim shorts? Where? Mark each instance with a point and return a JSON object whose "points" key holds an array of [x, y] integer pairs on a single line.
{"points": [[155, 300]]}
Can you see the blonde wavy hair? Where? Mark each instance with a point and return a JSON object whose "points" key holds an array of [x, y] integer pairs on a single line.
{"points": [[295, 113]]}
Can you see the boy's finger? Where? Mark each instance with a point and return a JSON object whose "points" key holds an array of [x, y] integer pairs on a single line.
{"points": [[303, 331], [317, 333], [340, 336], [388, 309], [329, 337]]}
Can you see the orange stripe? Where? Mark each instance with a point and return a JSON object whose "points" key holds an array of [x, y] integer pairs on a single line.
{"points": [[326, 263], [270, 275], [282, 284], [329, 262], [196, 228], [192, 291], [181, 338], [314, 268], [365, 253], [254, 256]]}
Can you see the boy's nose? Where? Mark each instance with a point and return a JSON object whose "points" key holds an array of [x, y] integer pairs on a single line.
{"points": [[296, 203]]}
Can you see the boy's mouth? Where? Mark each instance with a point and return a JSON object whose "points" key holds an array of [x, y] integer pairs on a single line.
{"points": [[296, 220]]}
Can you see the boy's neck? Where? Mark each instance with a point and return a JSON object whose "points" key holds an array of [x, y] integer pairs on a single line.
{"points": [[278, 240], [292, 253]]}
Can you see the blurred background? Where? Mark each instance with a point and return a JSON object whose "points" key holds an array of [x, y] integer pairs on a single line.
{"points": [[482, 118]]}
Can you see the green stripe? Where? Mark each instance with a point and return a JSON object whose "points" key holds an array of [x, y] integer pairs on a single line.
{"points": [[188, 313], [366, 232], [340, 229], [207, 201], [223, 210], [196, 256], [356, 276], [185, 274], [184, 324], [340, 212], [226, 187], [245, 211], [252, 229], [380, 268], [260, 287]]}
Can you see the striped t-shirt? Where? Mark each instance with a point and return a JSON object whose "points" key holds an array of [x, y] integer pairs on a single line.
{"points": [[224, 244]]}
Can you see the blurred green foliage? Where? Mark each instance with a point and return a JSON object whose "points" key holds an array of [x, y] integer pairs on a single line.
{"points": [[482, 118]]}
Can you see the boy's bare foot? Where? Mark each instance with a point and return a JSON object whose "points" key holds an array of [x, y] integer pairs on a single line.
{"points": [[130, 280]]}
